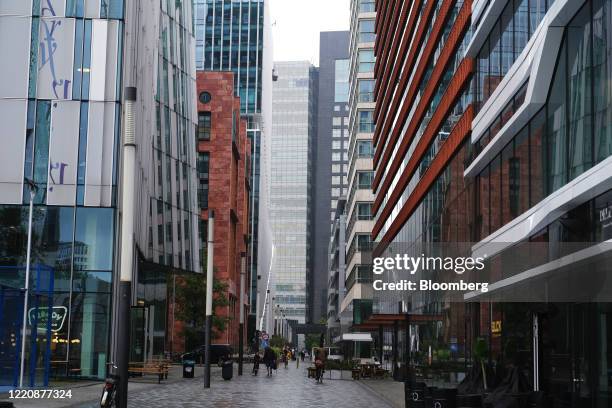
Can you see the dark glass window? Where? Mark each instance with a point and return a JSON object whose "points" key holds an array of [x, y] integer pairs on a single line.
{"points": [[203, 175], [204, 124]]}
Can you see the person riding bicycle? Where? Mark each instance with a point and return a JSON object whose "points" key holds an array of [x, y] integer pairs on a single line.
{"points": [[320, 358], [269, 360], [256, 361]]}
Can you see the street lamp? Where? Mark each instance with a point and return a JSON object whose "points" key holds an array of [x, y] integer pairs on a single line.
{"points": [[209, 296], [241, 327], [33, 190]]}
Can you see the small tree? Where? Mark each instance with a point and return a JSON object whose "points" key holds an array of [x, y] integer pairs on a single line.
{"points": [[191, 306]]}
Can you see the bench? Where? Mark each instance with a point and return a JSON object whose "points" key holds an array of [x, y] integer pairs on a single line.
{"points": [[161, 370]]}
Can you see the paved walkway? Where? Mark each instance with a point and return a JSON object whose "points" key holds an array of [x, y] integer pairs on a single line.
{"points": [[286, 388]]}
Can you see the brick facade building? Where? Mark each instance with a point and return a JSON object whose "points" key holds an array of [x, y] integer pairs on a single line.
{"points": [[223, 163]]}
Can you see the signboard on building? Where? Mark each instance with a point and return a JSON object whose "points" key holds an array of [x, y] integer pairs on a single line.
{"points": [[58, 316]]}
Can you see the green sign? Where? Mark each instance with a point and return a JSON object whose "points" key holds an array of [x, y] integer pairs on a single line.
{"points": [[58, 316]]}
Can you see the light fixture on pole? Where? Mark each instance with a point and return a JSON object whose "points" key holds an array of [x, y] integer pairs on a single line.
{"points": [[209, 296], [26, 293], [127, 244], [241, 327]]}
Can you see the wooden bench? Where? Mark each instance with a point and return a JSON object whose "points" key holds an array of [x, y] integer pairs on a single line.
{"points": [[161, 370]]}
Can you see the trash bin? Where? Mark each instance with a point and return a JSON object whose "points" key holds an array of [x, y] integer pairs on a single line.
{"points": [[227, 369], [188, 368]]}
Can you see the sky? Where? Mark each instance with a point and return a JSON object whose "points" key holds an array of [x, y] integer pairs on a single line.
{"points": [[296, 25]]}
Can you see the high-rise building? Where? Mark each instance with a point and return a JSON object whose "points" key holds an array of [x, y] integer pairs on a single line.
{"points": [[493, 129], [61, 111], [357, 302], [330, 153], [337, 273], [293, 130], [236, 36]]}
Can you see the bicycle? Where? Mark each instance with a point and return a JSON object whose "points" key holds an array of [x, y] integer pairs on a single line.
{"points": [[320, 369], [109, 393]]}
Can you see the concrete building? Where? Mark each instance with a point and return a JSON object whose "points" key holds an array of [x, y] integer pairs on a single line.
{"points": [[293, 131], [68, 62], [357, 304], [336, 289], [223, 169], [330, 155]]}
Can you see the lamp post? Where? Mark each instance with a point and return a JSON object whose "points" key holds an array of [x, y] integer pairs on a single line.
{"points": [[209, 296], [33, 190], [127, 245], [241, 327]]}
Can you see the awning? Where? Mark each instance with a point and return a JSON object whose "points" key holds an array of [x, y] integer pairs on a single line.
{"points": [[356, 337], [388, 320]]}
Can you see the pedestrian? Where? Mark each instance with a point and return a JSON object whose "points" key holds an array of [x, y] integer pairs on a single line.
{"points": [[256, 361], [302, 355], [269, 360]]}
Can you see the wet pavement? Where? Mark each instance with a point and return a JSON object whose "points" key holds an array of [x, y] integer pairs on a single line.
{"points": [[286, 388]]}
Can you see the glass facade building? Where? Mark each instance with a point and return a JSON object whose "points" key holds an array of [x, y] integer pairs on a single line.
{"points": [[293, 130], [493, 133], [68, 61], [330, 155]]}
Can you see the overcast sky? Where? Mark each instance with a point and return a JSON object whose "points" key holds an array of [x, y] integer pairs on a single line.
{"points": [[296, 25]]}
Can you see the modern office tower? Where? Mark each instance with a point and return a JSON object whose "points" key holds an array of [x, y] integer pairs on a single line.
{"points": [[501, 139], [357, 303], [337, 270], [68, 63], [236, 36], [293, 131], [223, 163], [330, 153]]}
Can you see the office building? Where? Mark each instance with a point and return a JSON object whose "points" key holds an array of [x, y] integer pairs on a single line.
{"points": [[492, 129], [223, 163], [330, 153], [357, 303], [293, 131], [68, 62], [236, 36], [337, 273]]}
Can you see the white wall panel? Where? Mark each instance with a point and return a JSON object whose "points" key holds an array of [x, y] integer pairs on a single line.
{"points": [[93, 167], [15, 64], [100, 154], [111, 60], [98, 60], [55, 58], [13, 115], [16, 7], [92, 8], [52, 8], [63, 153]]}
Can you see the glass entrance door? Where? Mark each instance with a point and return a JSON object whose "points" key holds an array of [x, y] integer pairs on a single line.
{"points": [[576, 355]]}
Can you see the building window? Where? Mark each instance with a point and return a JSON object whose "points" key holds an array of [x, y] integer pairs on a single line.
{"points": [[203, 175], [366, 121], [366, 90], [367, 6], [364, 211], [205, 97], [364, 149], [204, 123], [337, 121], [364, 179], [366, 31], [366, 61], [341, 81]]}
